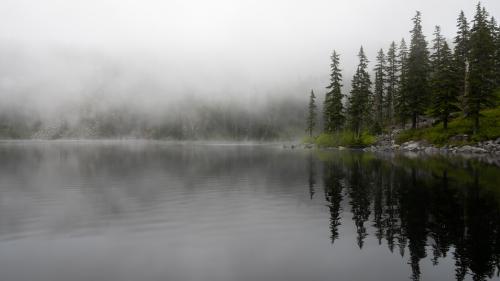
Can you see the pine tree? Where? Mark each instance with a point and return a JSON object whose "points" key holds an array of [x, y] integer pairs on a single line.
{"points": [[496, 37], [461, 55], [437, 47], [333, 108], [379, 91], [481, 75], [444, 87], [401, 106], [311, 118], [360, 95], [418, 72], [391, 82]]}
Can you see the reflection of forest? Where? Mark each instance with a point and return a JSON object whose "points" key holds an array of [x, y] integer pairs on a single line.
{"points": [[451, 207]]}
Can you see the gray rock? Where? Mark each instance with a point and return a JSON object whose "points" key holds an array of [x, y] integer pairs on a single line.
{"points": [[459, 138]]}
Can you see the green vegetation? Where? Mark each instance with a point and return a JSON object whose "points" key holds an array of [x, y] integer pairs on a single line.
{"points": [[345, 138], [333, 109], [454, 88], [311, 117], [359, 101], [490, 129], [418, 69]]}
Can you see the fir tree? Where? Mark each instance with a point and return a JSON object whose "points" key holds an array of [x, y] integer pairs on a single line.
{"points": [[333, 109], [360, 95], [311, 118], [444, 87], [496, 37], [461, 54], [481, 75], [379, 90], [437, 47], [401, 105], [391, 82], [418, 72]]}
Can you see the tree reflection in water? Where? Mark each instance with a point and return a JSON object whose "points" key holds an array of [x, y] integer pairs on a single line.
{"points": [[433, 207]]}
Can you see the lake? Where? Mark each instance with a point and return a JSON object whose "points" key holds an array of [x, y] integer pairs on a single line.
{"points": [[138, 210]]}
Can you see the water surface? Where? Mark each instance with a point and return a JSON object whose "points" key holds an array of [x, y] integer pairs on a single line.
{"points": [[195, 212]]}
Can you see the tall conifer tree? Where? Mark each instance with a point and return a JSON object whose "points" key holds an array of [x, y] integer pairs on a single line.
{"points": [[461, 56], [437, 48], [360, 95], [444, 87], [481, 78], [496, 38], [379, 91], [418, 72], [334, 117], [391, 82], [401, 104], [311, 117]]}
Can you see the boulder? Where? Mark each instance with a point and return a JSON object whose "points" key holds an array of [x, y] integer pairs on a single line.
{"points": [[460, 138]]}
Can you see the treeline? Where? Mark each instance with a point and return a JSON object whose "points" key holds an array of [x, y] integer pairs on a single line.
{"points": [[415, 82], [278, 118]]}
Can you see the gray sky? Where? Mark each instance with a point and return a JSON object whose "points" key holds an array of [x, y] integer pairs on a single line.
{"points": [[207, 48]]}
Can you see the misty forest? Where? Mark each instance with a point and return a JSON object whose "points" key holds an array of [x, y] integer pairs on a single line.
{"points": [[224, 140], [417, 85]]}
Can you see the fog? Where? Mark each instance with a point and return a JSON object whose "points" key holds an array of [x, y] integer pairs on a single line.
{"points": [[58, 57]]}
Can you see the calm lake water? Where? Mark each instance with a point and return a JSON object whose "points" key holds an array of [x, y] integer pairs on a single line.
{"points": [[156, 211]]}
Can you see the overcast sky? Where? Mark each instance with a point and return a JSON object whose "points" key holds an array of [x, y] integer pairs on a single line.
{"points": [[209, 47]]}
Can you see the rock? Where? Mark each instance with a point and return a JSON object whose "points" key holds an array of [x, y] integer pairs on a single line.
{"points": [[466, 149], [479, 150], [431, 150], [497, 141], [342, 148], [459, 138], [411, 145]]}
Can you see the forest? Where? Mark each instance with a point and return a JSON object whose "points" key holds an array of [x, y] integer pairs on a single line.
{"points": [[432, 90]]}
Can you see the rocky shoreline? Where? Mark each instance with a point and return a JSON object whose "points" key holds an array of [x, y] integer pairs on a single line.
{"points": [[387, 144], [486, 147]]}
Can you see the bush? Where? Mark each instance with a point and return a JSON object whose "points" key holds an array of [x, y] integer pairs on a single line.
{"points": [[345, 138], [308, 140]]}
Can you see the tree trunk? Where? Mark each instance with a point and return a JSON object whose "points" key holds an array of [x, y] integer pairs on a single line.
{"points": [[476, 123], [476, 118], [445, 123], [414, 121]]}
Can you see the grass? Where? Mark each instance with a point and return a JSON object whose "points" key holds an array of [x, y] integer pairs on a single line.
{"points": [[345, 138], [489, 129]]}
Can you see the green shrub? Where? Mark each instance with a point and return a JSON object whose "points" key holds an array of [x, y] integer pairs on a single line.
{"points": [[308, 140], [345, 138], [489, 129]]}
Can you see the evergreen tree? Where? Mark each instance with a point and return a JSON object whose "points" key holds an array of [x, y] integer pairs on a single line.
{"points": [[461, 54], [401, 105], [333, 108], [481, 75], [391, 82], [496, 37], [311, 118], [418, 72], [360, 95], [437, 48], [379, 90], [444, 87]]}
